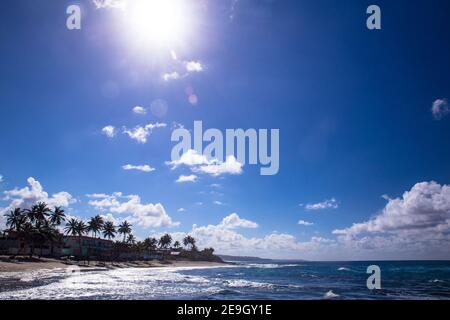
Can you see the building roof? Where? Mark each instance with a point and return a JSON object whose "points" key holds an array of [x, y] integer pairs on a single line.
{"points": [[88, 238]]}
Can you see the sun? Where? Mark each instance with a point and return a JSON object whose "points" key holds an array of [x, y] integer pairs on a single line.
{"points": [[158, 22]]}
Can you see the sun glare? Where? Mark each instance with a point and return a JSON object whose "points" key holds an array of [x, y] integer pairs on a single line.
{"points": [[158, 22]]}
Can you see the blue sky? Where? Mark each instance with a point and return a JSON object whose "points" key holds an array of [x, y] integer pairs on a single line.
{"points": [[354, 109]]}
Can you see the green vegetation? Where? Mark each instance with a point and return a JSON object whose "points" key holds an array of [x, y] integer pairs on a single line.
{"points": [[42, 226]]}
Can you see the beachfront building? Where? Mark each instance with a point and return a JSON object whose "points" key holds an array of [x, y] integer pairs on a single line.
{"points": [[89, 247], [11, 244]]}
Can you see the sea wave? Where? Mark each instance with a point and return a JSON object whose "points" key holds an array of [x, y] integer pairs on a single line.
{"points": [[344, 269], [331, 295]]}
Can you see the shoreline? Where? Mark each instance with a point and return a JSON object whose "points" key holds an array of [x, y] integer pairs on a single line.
{"points": [[24, 265]]}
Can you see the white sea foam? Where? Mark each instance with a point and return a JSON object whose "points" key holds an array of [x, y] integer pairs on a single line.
{"points": [[343, 269], [437, 281], [330, 295], [240, 283]]}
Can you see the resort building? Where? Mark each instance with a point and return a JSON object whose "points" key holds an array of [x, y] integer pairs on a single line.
{"points": [[87, 247], [70, 246]]}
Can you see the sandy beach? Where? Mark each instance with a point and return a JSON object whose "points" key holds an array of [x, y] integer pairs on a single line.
{"points": [[25, 264]]}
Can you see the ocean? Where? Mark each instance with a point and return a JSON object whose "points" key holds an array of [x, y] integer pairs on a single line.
{"points": [[247, 281]]}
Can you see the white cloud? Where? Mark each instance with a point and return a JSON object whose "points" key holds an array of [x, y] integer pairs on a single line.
{"points": [[200, 164], [414, 226], [215, 185], [114, 4], [181, 210], [190, 178], [440, 108], [305, 223], [171, 76], [144, 215], [143, 168], [139, 110], [225, 238], [327, 204], [141, 133], [109, 131], [189, 158], [194, 66], [233, 221], [426, 206], [217, 168], [1, 178], [219, 203], [31, 194]]}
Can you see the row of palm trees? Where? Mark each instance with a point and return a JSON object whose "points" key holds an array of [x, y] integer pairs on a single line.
{"points": [[40, 224]]}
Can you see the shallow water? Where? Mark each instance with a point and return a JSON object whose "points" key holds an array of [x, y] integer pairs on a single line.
{"points": [[302, 280]]}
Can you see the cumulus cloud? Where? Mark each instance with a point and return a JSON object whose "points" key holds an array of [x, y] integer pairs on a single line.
{"points": [[194, 66], [217, 168], [143, 168], [305, 223], [226, 239], [29, 195], [109, 131], [144, 215], [190, 178], [189, 158], [416, 225], [200, 164], [139, 110], [233, 221], [327, 204], [1, 178], [425, 206], [141, 133], [440, 108]]}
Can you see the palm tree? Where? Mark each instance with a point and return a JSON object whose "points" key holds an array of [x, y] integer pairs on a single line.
{"points": [[165, 241], [131, 239], [57, 216], [29, 234], [95, 225], [189, 241], [177, 245], [71, 227], [109, 231], [81, 228], [15, 219], [125, 229], [38, 213], [151, 244]]}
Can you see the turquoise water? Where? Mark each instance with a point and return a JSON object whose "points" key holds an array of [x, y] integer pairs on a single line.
{"points": [[275, 280]]}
